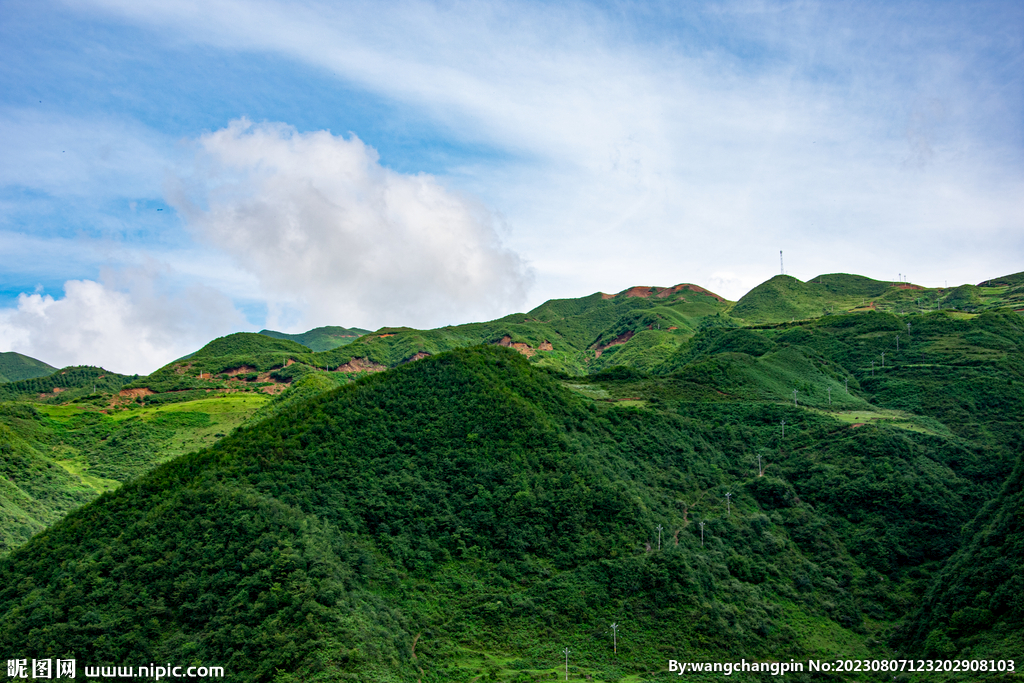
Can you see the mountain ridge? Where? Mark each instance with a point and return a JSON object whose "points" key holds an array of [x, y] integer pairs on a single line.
{"points": [[458, 501]]}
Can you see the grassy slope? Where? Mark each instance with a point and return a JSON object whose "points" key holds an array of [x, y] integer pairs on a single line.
{"points": [[15, 366], [471, 504], [60, 456]]}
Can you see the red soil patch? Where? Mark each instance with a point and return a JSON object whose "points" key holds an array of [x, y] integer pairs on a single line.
{"points": [[858, 424], [381, 336], [524, 349], [661, 292], [416, 356], [134, 393], [56, 390], [242, 370], [699, 290], [905, 285], [361, 365], [289, 362], [621, 339], [673, 328], [545, 346]]}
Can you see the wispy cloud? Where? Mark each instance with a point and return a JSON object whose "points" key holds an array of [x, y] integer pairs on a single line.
{"points": [[676, 144]]}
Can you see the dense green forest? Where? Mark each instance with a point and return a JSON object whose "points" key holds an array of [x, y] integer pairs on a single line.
{"points": [[842, 485]]}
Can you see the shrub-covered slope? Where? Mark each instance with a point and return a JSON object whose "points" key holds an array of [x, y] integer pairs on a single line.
{"points": [[470, 515], [577, 336], [55, 456], [65, 385]]}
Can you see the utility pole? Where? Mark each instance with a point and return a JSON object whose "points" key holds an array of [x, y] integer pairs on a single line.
{"points": [[782, 271], [615, 642], [872, 368], [897, 343], [908, 329], [783, 429], [829, 389], [760, 472], [846, 383], [728, 498], [794, 397], [701, 534], [883, 359], [659, 536], [566, 651]]}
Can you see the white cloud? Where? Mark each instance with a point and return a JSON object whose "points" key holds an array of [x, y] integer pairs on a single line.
{"points": [[125, 325], [323, 226]]}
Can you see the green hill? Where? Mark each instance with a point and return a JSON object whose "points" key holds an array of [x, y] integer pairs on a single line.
{"points": [[240, 361], [464, 516], [472, 514], [321, 338], [1004, 281], [576, 336], [15, 366], [784, 298]]}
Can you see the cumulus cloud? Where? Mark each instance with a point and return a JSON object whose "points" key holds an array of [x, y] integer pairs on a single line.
{"points": [[125, 324], [326, 228]]}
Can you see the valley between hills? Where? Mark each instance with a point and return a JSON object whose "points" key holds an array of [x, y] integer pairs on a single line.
{"points": [[827, 470]]}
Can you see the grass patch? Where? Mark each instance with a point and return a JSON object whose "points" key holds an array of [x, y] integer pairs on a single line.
{"points": [[78, 467], [588, 390]]}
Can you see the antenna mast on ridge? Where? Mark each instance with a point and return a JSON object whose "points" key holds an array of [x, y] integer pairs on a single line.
{"points": [[782, 271]]}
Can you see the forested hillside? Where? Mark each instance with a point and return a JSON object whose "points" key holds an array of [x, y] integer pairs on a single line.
{"points": [[842, 486]]}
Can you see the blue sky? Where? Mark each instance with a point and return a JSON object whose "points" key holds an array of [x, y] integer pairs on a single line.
{"points": [[179, 170]]}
